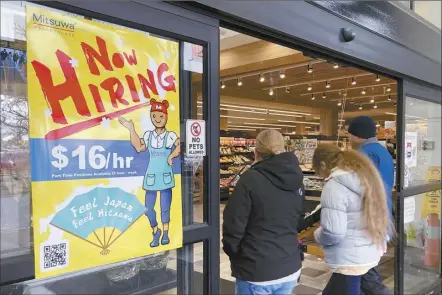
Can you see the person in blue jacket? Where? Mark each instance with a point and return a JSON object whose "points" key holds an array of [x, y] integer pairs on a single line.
{"points": [[362, 136]]}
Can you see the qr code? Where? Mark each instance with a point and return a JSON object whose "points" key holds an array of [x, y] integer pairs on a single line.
{"points": [[54, 256]]}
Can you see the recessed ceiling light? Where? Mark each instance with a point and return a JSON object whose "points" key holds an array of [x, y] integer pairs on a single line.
{"points": [[309, 88], [271, 92]]}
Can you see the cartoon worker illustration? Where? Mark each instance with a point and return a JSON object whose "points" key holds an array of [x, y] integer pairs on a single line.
{"points": [[159, 175]]}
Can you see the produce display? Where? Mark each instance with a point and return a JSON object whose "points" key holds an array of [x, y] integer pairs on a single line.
{"points": [[231, 170], [226, 160], [235, 159], [230, 150], [313, 183]]}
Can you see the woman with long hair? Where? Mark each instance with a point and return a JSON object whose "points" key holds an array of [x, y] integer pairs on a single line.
{"points": [[354, 217], [261, 219]]}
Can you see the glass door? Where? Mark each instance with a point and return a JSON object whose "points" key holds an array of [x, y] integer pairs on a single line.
{"points": [[419, 204], [191, 269]]}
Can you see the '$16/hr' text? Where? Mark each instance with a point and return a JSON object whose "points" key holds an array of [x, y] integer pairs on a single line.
{"points": [[96, 158]]}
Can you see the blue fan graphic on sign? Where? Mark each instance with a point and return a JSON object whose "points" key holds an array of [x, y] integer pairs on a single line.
{"points": [[96, 211]]}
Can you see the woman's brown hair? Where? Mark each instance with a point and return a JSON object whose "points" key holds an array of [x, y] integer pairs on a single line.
{"points": [[376, 216]]}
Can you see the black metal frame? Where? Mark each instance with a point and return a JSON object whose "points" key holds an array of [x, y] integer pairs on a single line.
{"points": [[199, 23], [288, 31], [183, 25], [426, 93]]}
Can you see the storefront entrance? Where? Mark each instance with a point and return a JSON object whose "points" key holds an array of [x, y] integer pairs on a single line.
{"points": [[224, 80]]}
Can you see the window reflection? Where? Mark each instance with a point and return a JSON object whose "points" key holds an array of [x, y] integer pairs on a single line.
{"points": [[422, 142], [422, 250], [14, 165]]}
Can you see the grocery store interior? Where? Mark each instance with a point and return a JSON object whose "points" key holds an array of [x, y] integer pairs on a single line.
{"points": [[310, 101]]}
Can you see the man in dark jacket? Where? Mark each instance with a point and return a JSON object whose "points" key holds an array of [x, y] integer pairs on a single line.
{"points": [[362, 136], [261, 218]]}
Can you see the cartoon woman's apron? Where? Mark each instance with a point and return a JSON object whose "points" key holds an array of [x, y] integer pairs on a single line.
{"points": [[159, 178], [159, 174]]}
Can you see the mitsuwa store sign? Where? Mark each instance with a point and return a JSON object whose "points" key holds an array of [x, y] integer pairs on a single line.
{"points": [[104, 126]]}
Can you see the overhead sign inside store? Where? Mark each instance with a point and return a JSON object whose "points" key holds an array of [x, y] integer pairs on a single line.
{"points": [[195, 138], [193, 58]]}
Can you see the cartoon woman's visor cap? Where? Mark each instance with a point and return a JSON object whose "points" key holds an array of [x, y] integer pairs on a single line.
{"points": [[159, 106]]}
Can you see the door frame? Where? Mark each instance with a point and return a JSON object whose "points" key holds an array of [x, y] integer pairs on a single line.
{"points": [[183, 25]]}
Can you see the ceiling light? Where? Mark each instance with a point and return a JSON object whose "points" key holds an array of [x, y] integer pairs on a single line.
{"points": [[353, 81], [284, 115], [246, 118], [388, 88], [324, 95], [258, 126], [243, 111], [375, 106], [309, 69], [282, 75], [290, 112], [378, 78], [309, 88], [378, 125], [339, 103], [287, 89], [313, 97], [352, 101], [335, 66], [243, 107], [223, 85], [265, 110], [360, 107], [262, 78], [389, 98], [239, 82], [300, 122], [372, 100], [271, 92], [269, 124], [242, 129], [363, 91], [327, 84], [395, 104]]}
